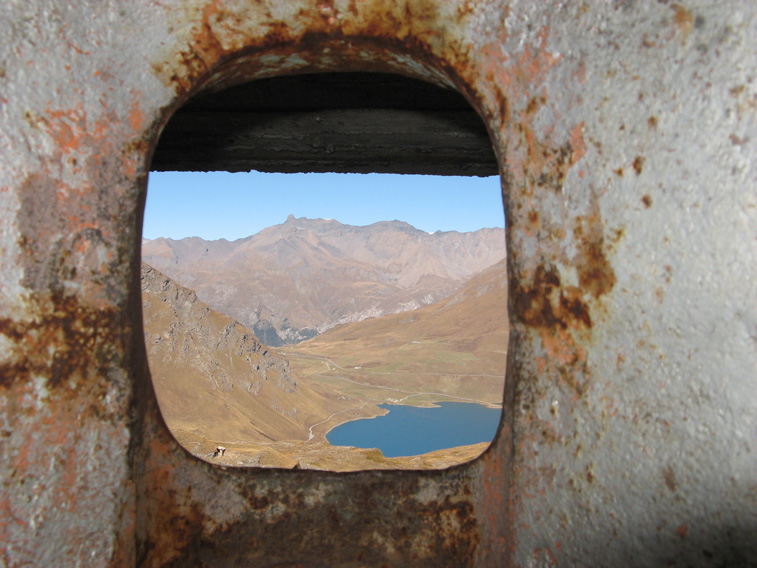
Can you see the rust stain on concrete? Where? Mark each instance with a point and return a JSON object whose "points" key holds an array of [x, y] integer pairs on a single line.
{"points": [[73, 359], [638, 164], [69, 333], [544, 303], [684, 20], [595, 273]]}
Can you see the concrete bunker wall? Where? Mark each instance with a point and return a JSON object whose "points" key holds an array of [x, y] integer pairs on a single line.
{"points": [[625, 133]]}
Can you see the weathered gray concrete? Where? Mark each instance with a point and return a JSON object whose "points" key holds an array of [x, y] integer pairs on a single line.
{"points": [[626, 137]]}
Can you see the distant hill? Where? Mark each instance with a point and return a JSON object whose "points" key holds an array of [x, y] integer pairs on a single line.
{"points": [[212, 375], [292, 281], [457, 346]]}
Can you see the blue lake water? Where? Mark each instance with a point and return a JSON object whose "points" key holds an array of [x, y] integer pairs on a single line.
{"points": [[410, 431]]}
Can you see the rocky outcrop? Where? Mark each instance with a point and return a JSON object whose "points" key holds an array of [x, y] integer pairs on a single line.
{"points": [[203, 338], [210, 372]]}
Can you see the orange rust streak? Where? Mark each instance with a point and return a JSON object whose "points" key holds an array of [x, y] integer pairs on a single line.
{"points": [[535, 66], [67, 127], [136, 114], [577, 144], [683, 20], [560, 346]]}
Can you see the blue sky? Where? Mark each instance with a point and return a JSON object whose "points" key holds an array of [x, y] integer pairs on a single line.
{"points": [[217, 205]]}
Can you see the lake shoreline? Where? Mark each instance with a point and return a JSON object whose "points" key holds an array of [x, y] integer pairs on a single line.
{"points": [[412, 431], [431, 404]]}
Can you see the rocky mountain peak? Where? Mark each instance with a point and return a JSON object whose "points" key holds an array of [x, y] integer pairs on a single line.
{"points": [[291, 281]]}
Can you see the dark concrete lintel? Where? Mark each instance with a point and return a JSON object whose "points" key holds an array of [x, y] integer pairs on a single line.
{"points": [[355, 140], [353, 122]]}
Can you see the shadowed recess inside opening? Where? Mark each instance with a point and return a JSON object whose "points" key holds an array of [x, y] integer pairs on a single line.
{"points": [[279, 306]]}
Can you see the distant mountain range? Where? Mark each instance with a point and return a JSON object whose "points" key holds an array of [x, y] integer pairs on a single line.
{"points": [[292, 281]]}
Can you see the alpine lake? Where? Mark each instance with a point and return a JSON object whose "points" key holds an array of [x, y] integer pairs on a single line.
{"points": [[411, 430]]}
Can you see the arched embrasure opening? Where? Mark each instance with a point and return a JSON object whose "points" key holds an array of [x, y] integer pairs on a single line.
{"points": [[396, 315]]}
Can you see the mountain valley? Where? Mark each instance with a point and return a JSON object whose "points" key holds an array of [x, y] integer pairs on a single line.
{"points": [[292, 281], [217, 384]]}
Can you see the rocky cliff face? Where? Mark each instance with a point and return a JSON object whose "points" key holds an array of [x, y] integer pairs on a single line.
{"points": [[212, 374], [293, 281], [201, 337]]}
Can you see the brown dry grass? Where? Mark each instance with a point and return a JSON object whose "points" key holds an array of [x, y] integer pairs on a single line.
{"points": [[455, 349]]}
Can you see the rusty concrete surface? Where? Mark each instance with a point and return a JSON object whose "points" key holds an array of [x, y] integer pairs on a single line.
{"points": [[625, 132]]}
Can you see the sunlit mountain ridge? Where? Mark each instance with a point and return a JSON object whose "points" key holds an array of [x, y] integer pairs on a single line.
{"points": [[292, 281]]}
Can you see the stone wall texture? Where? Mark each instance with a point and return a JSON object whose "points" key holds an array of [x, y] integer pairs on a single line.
{"points": [[626, 133]]}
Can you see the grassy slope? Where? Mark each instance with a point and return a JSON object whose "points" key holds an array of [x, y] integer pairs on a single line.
{"points": [[456, 347]]}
